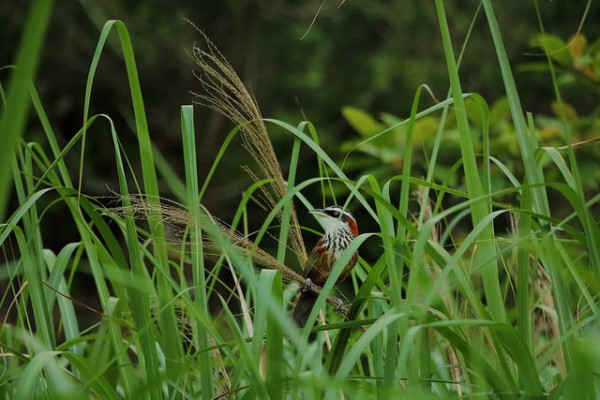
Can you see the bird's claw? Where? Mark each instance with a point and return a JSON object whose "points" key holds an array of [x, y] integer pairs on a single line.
{"points": [[340, 307], [308, 286]]}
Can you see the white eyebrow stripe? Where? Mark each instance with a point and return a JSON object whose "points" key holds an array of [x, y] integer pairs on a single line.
{"points": [[341, 210], [347, 214]]}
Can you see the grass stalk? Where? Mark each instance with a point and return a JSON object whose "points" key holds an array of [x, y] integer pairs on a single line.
{"points": [[14, 115], [197, 258], [528, 147], [486, 252]]}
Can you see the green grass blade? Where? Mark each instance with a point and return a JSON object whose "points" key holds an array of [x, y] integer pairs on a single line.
{"points": [[251, 372], [355, 353], [14, 117], [168, 319], [169, 176], [58, 267], [32, 271], [525, 272], [31, 383], [479, 210], [275, 371], [193, 203], [528, 148], [592, 231], [287, 208], [97, 384], [139, 301]]}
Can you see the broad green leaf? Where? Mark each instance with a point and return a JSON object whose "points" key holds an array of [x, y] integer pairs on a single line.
{"points": [[555, 47], [361, 121]]}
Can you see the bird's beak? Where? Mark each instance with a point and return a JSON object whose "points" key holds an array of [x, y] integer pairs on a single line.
{"points": [[318, 211]]}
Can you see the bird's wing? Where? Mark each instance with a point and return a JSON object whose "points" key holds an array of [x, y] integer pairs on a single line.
{"points": [[311, 261]]}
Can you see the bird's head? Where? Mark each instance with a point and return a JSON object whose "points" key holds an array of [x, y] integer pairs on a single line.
{"points": [[334, 218]]}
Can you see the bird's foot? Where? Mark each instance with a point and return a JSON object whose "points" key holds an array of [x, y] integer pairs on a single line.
{"points": [[340, 307], [308, 286]]}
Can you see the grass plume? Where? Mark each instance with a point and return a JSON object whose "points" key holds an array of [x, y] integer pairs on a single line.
{"points": [[225, 93]]}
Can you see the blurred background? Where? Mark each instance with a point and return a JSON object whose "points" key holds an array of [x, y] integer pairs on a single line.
{"points": [[350, 67]]}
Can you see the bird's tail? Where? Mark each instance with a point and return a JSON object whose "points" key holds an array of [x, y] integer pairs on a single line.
{"points": [[304, 305]]}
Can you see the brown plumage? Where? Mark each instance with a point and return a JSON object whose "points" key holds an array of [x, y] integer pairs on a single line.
{"points": [[340, 228]]}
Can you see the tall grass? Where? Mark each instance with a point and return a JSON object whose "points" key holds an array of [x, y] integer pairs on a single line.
{"points": [[434, 315]]}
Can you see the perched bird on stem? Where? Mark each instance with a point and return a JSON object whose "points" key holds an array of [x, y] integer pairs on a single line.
{"points": [[340, 228]]}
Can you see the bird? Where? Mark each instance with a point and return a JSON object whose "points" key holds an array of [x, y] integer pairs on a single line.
{"points": [[340, 229]]}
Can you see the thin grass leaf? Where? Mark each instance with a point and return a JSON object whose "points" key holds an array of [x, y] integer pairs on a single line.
{"points": [[593, 232], [252, 372], [96, 384], [14, 117], [57, 267], [198, 269], [525, 274], [354, 354], [32, 382], [528, 147], [140, 305], [98, 258], [32, 273], [479, 210], [288, 207], [275, 371]]}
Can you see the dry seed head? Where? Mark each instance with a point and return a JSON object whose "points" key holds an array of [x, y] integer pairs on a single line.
{"points": [[226, 94]]}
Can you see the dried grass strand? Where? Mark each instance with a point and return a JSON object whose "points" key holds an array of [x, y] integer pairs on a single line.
{"points": [[225, 93], [175, 214]]}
